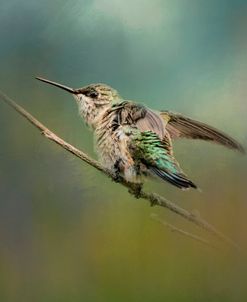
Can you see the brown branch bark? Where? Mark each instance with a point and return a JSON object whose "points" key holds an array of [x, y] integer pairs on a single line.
{"points": [[153, 198]]}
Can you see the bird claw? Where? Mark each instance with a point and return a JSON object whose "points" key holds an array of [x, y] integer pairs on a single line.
{"points": [[135, 189], [117, 177]]}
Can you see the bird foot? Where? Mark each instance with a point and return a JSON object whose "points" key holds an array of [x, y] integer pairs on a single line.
{"points": [[135, 189], [116, 170], [117, 177]]}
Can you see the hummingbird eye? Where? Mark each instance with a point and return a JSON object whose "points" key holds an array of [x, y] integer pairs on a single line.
{"points": [[91, 93]]}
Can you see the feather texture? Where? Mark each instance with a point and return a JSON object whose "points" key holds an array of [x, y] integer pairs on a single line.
{"points": [[156, 156], [180, 126]]}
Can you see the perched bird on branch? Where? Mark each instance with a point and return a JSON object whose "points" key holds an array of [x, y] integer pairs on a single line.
{"points": [[133, 140]]}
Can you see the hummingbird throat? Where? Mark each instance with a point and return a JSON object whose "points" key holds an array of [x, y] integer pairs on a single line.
{"points": [[90, 110]]}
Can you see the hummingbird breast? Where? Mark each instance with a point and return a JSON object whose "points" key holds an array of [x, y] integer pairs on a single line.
{"points": [[112, 145]]}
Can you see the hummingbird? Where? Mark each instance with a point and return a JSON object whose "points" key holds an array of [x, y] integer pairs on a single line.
{"points": [[133, 140]]}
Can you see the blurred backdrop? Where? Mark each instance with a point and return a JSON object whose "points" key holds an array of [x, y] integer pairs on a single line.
{"points": [[66, 232]]}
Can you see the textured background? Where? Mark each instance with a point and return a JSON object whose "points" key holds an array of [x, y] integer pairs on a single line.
{"points": [[66, 232]]}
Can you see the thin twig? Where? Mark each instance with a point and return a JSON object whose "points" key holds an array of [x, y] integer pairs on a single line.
{"points": [[173, 228], [153, 198]]}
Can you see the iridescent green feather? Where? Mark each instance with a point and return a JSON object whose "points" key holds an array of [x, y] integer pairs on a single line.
{"points": [[157, 157]]}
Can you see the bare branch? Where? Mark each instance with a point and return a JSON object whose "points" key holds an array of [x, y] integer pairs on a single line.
{"points": [[153, 198]]}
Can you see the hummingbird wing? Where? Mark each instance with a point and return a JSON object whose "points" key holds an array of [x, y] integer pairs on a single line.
{"points": [[143, 118], [147, 148], [150, 142], [180, 126]]}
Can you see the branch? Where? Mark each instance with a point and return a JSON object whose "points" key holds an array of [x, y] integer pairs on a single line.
{"points": [[153, 198]]}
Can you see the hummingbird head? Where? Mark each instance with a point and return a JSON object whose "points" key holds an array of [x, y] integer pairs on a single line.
{"points": [[99, 94], [92, 100]]}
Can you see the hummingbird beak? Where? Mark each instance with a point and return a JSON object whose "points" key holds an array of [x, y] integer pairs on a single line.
{"points": [[71, 90]]}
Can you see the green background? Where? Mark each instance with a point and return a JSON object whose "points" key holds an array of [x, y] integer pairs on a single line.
{"points": [[66, 232]]}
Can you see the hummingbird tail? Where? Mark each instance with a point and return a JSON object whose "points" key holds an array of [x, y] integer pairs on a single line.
{"points": [[178, 180]]}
